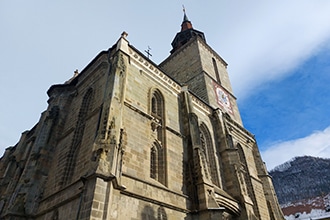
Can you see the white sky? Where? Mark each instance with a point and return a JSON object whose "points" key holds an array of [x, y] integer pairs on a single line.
{"points": [[43, 42], [316, 144]]}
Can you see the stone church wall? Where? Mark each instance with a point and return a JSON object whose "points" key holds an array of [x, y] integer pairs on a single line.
{"points": [[124, 140]]}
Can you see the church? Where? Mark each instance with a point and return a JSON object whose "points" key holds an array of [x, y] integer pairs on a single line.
{"points": [[129, 139]]}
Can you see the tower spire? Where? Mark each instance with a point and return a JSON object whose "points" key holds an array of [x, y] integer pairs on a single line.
{"points": [[187, 32], [185, 18], [186, 24]]}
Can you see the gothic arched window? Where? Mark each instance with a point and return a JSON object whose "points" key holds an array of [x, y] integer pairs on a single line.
{"points": [[157, 150], [161, 214], [241, 155], [77, 136], [157, 163], [208, 150], [157, 104], [154, 162]]}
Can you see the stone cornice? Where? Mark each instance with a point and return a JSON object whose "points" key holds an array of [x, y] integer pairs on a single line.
{"points": [[154, 69]]}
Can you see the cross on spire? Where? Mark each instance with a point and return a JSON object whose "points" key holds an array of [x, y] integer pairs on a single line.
{"points": [[187, 32], [185, 18], [186, 24]]}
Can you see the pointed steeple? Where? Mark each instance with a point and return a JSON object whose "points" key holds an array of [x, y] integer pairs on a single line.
{"points": [[186, 24], [187, 32]]}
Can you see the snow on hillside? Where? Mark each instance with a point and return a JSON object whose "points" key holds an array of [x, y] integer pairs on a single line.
{"points": [[302, 186], [316, 208], [301, 178]]}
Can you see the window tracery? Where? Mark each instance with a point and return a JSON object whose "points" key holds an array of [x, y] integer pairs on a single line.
{"points": [[157, 150], [77, 136], [209, 153]]}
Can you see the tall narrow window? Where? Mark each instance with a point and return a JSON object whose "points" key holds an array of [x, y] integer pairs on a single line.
{"points": [[161, 214], [157, 105], [157, 150], [241, 155], [77, 137], [157, 163], [245, 173], [207, 146], [153, 163], [216, 71], [154, 106], [230, 141]]}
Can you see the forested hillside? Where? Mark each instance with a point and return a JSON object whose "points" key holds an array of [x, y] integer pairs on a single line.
{"points": [[301, 178]]}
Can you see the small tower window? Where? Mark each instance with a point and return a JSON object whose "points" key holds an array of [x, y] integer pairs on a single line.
{"points": [[216, 71]]}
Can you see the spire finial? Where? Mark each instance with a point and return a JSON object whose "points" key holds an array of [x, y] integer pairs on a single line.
{"points": [[124, 34], [186, 24], [185, 18]]}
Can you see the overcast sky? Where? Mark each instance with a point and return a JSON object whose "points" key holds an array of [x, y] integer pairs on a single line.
{"points": [[278, 55]]}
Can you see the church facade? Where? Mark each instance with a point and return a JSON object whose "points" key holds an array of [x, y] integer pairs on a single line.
{"points": [[128, 139]]}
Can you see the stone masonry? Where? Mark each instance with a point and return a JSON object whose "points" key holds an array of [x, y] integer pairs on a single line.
{"points": [[128, 139]]}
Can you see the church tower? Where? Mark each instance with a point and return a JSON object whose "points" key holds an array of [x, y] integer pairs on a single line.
{"points": [[128, 139], [201, 69]]}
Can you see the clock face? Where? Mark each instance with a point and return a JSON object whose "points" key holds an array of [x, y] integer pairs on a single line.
{"points": [[222, 98]]}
